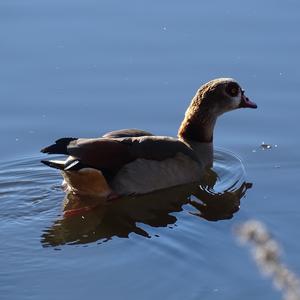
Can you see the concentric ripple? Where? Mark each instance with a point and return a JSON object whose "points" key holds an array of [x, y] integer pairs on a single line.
{"points": [[230, 171], [27, 189]]}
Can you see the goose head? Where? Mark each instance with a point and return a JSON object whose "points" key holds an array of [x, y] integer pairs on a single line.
{"points": [[210, 101], [224, 95]]}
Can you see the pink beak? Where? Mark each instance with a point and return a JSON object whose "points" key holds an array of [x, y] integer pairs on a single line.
{"points": [[245, 102]]}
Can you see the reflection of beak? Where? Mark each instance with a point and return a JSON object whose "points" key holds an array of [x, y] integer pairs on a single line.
{"points": [[245, 102]]}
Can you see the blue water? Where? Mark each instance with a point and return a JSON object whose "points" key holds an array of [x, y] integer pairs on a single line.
{"points": [[82, 68]]}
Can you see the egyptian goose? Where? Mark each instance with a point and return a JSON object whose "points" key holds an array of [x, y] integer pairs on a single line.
{"points": [[132, 161]]}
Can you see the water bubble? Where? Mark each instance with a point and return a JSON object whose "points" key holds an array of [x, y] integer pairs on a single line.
{"points": [[265, 146]]}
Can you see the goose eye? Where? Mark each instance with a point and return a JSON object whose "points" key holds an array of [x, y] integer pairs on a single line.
{"points": [[232, 89]]}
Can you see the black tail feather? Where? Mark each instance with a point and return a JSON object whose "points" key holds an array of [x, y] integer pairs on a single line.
{"points": [[60, 146]]}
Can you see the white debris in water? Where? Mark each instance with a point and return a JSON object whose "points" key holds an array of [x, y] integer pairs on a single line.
{"points": [[264, 146], [266, 252]]}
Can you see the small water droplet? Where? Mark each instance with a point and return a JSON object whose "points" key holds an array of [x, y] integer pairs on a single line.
{"points": [[264, 146]]}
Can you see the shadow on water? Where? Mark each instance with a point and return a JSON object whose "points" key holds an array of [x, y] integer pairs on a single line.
{"points": [[217, 198], [124, 215]]}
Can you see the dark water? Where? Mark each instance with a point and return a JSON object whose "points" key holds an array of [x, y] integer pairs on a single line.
{"points": [[82, 68]]}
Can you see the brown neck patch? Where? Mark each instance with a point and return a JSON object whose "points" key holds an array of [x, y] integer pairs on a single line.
{"points": [[199, 121], [197, 131]]}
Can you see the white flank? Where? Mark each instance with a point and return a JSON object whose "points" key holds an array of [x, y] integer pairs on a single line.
{"points": [[143, 176]]}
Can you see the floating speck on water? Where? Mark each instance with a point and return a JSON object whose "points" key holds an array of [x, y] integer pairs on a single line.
{"points": [[164, 28], [17, 139], [264, 146]]}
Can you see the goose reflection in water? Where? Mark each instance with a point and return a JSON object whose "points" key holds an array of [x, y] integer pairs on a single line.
{"points": [[124, 216]]}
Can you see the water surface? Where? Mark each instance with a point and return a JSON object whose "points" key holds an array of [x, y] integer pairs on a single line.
{"points": [[85, 68]]}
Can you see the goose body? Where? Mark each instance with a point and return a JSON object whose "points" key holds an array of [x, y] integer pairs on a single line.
{"points": [[132, 161]]}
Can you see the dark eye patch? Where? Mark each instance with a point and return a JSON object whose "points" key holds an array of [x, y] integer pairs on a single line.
{"points": [[232, 89]]}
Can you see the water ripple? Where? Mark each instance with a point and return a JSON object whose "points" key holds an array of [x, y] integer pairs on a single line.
{"points": [[26, 189]]}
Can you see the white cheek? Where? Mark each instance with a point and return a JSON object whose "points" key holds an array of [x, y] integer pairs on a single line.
{"points": [[235, 101]]}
